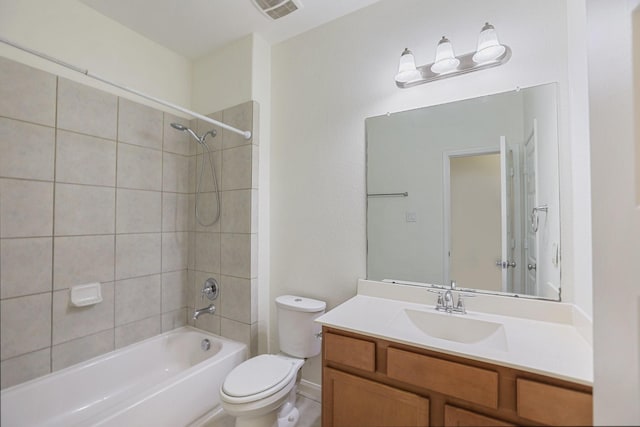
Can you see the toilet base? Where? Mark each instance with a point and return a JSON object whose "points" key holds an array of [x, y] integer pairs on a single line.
{"points": [[286, 415]]}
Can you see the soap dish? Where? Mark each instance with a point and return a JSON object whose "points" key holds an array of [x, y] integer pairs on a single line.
{"points": [[83, 295]]}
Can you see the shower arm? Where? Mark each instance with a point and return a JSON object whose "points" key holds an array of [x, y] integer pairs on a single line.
{"points": [[245, 133]]}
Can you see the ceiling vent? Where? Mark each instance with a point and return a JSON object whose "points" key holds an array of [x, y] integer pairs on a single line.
{"points": [[276, 9]]}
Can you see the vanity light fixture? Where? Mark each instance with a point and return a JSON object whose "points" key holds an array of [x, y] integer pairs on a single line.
{"points": [[489, 53]]}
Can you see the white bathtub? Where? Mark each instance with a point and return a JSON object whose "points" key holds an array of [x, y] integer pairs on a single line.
{"points": [[166, 380]]}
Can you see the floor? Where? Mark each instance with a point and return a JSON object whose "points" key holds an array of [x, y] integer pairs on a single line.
{"points": [[309, 414]]}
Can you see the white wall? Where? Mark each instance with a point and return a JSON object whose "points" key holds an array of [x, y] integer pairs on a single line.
{"points": [[75, 33], [616, 210], [222, 78], [328, 80], [577, 249]]}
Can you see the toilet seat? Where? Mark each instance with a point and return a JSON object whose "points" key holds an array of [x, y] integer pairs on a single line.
{"points": [[258, 378]]}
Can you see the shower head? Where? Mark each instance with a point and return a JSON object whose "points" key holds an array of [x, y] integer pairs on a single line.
{"points": [[180, 127]]}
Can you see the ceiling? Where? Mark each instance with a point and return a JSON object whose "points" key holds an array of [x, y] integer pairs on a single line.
{"points": [[193, 28]]}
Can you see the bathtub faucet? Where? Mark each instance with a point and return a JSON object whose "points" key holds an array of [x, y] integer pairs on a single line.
{"points": [[211, 309]]}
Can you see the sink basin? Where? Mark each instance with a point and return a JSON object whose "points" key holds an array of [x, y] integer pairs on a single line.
{"points": [[458, 328]]}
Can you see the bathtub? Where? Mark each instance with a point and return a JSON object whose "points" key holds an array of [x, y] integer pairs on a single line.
{"points": [[166, 380]]}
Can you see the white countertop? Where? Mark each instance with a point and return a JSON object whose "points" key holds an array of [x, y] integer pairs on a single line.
{"points": [[541, 337]]}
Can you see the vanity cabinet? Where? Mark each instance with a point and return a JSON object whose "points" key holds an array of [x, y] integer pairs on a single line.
{"points": [[373, 382]]}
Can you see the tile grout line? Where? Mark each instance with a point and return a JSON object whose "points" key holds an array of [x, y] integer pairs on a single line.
{"points": [[53, 214], [115, 220]]}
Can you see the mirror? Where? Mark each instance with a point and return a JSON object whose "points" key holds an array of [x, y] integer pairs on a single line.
{"points": [[467, 192]]}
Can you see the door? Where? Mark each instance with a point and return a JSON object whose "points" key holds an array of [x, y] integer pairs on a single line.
{"points": [[530, 185], [348, 400], [509, 260]]}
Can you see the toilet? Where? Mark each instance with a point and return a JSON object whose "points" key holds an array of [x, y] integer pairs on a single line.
{"points": [[261, 392]]}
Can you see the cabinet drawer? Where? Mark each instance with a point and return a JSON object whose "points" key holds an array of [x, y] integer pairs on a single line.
{"points": [[472, 384], [549, 404], [459, 417], [353, 352]]}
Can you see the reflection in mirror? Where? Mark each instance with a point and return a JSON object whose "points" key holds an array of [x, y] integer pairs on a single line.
{"points": [[467, 192]]}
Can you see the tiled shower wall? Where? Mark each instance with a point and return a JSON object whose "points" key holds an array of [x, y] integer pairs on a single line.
{"points": [[227, 250], [95, 187]]}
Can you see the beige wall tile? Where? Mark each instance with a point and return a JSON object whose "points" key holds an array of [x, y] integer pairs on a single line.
{"points": [[26, 208], [83, 159], [25, 266], [207, 252], [174, 319], [174, 290], [176, 212], [208, 322], [70, 322], [255, 165], [137, 298], [175, 173], [30, 95], [202, 160], [241, 117], [176, 141], [236, 331], [83, 259], [25, 324], [237, 213], [26, 150], [84, 209], [139, 168], [137, 331], [138, 211], [86, 110], [236, 168], [24, 368], [137, 255], [81, 349], [139, 124], [175, 251], [239, 255], [207, 210], [236, 300]]}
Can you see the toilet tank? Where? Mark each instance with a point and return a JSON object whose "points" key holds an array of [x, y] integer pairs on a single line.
{"points": [[298, 334]]}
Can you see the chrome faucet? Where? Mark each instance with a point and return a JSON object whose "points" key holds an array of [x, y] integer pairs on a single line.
{"points": [[446, 301], [210, 310]]}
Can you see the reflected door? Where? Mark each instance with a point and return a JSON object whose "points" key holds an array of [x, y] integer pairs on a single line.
{"points": [[531, 246], [474, 231], [510, 212]]}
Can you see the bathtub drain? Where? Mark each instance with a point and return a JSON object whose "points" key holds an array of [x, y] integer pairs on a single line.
{"points": [[205, 344]]}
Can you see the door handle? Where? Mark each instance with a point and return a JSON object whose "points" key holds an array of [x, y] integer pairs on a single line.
{"points": [[506, 264], [532, 267]]}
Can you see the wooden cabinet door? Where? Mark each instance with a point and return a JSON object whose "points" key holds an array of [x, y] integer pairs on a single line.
{"points": [[457, 417], [352, 401]]}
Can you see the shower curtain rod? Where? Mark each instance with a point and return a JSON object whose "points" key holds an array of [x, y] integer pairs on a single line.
{"points": [[246, 134]]}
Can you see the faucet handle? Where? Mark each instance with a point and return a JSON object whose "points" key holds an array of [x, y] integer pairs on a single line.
{"points": [[453, 285]]}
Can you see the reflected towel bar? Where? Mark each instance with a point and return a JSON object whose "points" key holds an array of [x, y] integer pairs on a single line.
{"points": [[405, 194]]}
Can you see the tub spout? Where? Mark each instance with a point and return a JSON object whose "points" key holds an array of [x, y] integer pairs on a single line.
{"points": [[211, 309]]}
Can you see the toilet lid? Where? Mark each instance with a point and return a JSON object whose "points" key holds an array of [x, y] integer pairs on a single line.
{"points": [[256, 375]]}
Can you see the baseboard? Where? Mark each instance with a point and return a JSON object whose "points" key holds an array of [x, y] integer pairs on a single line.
{"points": [[310, 390]]}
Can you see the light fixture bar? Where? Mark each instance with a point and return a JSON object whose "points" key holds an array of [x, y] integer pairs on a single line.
{"points": [[467, 65]]}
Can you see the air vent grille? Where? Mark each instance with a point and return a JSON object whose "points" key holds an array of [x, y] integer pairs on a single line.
{"points": [[276, 9]]}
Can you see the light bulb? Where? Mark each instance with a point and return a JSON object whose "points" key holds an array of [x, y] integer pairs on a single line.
{"points": [[407, 68], [446, 60], [489, 48]]}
